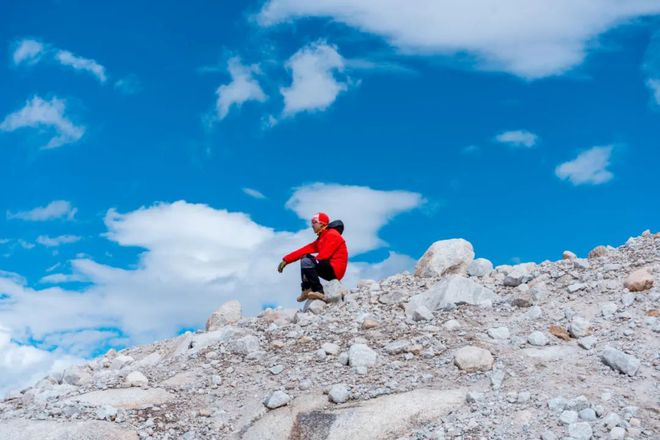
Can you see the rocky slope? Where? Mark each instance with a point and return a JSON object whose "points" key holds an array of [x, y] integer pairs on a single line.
{"points": [[565, 349]]}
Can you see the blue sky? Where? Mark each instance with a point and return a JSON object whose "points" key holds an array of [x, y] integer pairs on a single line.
{"points": [[159, 160]]}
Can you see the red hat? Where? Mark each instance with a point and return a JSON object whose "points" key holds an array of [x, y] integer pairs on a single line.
{"points": [[321, 217]]}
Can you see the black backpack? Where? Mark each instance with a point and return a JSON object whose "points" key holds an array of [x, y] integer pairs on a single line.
{"points": [[338, 225]]}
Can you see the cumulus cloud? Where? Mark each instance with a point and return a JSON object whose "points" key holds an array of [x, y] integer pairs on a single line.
{"points": [[314, 86], [47, 241], [42, 114], [57, 209], [194, 258], [517, 138], [76, 62], [242, 88], [27, 51], [588, 168], [529, 39], [254, 193]]}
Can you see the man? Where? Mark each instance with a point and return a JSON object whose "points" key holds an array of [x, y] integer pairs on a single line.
{"points": [[329, 263]]}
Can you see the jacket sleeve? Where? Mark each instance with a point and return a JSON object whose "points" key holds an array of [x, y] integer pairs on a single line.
{"points": [[329, 246], [311, 248]]}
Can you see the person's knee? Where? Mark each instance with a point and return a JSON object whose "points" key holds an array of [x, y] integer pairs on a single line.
{"points": [[307, 262]]}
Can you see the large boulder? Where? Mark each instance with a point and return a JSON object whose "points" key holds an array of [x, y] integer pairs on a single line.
{"points": [[471, 358], [335, 291], [228, 313], [445, 257], [479, 267], [639, 280], [453, 290]]}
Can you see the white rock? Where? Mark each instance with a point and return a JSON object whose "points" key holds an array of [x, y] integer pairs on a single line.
{"points": [[452, 290], [422, 313], [479, 267], [136, 379], [471, 358], [246, 345], [277, 399], [445, 257], [568, 255], [537, 338], [612, 420], [361, 356], [120, 362], [557, 404], [452, 325], [620, 361], [548, 435], [608, 309], [334, 291], [627, 299], [580, 431], [579, 327], [534, 312], [339, 393], [106, 412], [393, 297], [228, 313], [617, 433], [587, 342], [567, 417], [499, 333], [330, 348], [639, 280], [315, 306], [588, 414], [520, 273]]}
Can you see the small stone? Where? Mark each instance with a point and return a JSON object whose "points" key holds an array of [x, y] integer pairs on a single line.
{"points": [[587, 342], [588, 414], [320, 354], [618, 360], [369, 324], [422, 313], [106, 412], [474, 397], [559, 332], [617, 433], [557, 404], [330, 348], [627, 299], [277, 399], [496, 379], [339, 393], [397, 347], [471, 358], [537, 338], [548, 435], [608, 309], [524, 396], [343, 358], [612, 420], [567, 417], [499, 333], [277, 369], [360, 356], [315, 306], [580, 431], [136, 379], [639, 281], [579, 327], [534, 312]]}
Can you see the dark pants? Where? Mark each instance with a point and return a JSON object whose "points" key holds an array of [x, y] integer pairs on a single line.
{"points": [[311, 270]]}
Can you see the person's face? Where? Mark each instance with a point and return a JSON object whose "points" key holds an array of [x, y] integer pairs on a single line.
{"points": [[316, 225]]}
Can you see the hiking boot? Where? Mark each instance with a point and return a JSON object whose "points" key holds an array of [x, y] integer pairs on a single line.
{"points": [[316, 295], [303, 295]]}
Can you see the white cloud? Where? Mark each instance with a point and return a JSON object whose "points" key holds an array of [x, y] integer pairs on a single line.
{"points": [[47, 241], [59, 278], [589, 167], [129, 85], [254, 193], [25, 244], [531, 39], [38, 113], [364, 210], [654, 86], [22, 365], [28, 51], [242, 88], [76, 62], [54, 210], [314, 86], [517, 138]]}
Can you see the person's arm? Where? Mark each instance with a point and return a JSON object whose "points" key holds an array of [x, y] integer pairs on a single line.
{"points": [[329, 246], [311, 248]]}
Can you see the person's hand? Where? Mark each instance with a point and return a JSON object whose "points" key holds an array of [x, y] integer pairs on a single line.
{"points": [[281, 266]]}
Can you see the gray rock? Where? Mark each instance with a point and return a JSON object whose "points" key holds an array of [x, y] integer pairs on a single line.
{"points": [[557, 404], [343, 358], [339, 393], [393, 297], [120, 362], [499, 333], [474, 397], [277, 399], [617, 433], [520, 273], [228, 313], [320, 354], [334, 291], [568, 416], [397, 347], [276, 369], [314, 306], [496, 379], [587, 342], [537, 338], [579, 327], [106, 412], [136, 379], [479, 267], [523, 397], [588, 414], [422, 313], [619, 361], [361, 356], [330, 348], [452, 325], [628, 299], [612, 420], [548, 435], [452, 290], [577, 286], [534, 312], [471, 358], [608, 309], [580, 431], [445, 257], [246, 345]]}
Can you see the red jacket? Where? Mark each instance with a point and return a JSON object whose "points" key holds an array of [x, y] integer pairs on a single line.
{"points": [[329, 246]]}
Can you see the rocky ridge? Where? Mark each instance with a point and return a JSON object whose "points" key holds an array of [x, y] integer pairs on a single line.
{"points": [[459, 350]]}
